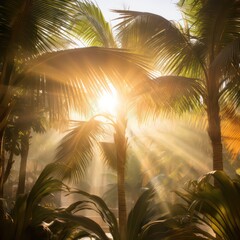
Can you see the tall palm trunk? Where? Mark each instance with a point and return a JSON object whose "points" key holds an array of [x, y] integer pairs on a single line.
{"points": [[121, 148], [214, 122], [214, 132], [10, 161], [2, 163], [23, 164]]}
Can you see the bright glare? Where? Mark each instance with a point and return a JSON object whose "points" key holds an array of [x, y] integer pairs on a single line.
{"points": [[108, 103]]}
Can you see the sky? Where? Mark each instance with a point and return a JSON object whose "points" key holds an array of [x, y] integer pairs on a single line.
{"points": [[165, 8]]}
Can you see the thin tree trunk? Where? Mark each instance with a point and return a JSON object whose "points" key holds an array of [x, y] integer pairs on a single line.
{"points": [[9, 162], [23, 164], [121, 148], [214, 125], [2, 163]]}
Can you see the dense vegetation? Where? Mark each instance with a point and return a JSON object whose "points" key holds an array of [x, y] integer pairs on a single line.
{"points": [[45, 76]]}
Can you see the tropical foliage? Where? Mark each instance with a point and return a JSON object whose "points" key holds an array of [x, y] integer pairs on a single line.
{"points": [[40, 70], [208, 212], [27, 31], [215, 206], [203, 46], [31, 62], [138, 96]]}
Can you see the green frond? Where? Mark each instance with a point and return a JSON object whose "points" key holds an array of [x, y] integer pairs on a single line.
{"points": [[96, 204], [173, 229], [80, 226], [92, 27], [217, 206], [230, 93], [109, 154], [75, 79], [216, 23], [167, 95], [138, 215], [44, 186], [76, 150], [35, 27], [166, 42], [227, 59], [92, 69], [27, 205], [135, 28]]}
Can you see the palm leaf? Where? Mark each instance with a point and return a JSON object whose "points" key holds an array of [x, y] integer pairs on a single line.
{"points": [[96, 204], [109, 154], [83, 223], [166, 43], [76, 148], [92, 27], [211, 21], [35, 27], [166, 95], [227, 57], [138, 214], [82, 75], [171, 229], [26, 205], [134, 29], [216, 206], [230, 93]]}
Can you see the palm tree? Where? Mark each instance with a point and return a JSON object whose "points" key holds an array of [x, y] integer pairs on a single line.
{"points": [[33, 35], [28, 29], [22, 122], [204, 46], [61, 80], [137, 97]]}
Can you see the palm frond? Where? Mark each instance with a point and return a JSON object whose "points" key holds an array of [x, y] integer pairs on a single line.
{"points": [[92, 27], [227, 58], [167, 95], [172, 50], [36, 27], [216, 25], [109, 154], [76, 150], [138, 214], [135, 28], [85, 75], [230, 93], [96, 204], [75, 62], [215, 206], [80, 226], [173, 229], [26, 205]]}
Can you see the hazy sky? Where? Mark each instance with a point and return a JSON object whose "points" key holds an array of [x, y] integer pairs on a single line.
{"points": [[165, 8]]}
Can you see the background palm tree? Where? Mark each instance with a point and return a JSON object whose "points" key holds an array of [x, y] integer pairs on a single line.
{"points": [[136, 95], [32, 29], [63, 80], [204, 46], [28, 29]]}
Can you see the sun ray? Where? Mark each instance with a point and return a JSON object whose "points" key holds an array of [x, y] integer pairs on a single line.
{"points": [[108, 103]]}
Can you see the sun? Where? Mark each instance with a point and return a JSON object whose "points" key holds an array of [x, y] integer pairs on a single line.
{"points": [[108, 103]]}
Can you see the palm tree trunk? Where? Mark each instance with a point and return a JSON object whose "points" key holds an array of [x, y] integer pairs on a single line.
{"points": [[121, 148], [2, 163], [23, 164], [214, 126], [9, 162]]}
